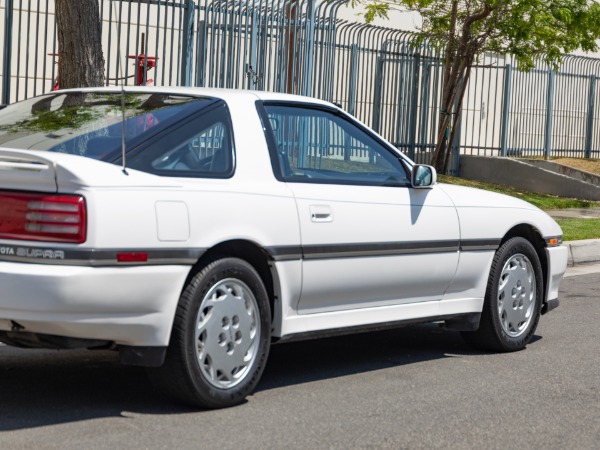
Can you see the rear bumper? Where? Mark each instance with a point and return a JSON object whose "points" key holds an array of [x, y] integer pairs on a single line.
{"points": [[132, 306]]}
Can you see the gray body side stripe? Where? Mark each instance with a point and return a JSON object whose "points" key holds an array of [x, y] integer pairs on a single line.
{"points": [[108, 257], [469, 245], [378, 249], [287, 253], [94, 257]]}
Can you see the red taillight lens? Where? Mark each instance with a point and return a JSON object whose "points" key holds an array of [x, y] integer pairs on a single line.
{"points": [[40, 217]]}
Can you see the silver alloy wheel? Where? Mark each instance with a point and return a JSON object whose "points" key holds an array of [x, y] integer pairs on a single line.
{"points": [[227, 333], [516, 295]]}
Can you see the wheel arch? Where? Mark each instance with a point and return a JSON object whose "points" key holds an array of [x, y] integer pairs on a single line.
{"points": [[253, 254], [535, 238]]}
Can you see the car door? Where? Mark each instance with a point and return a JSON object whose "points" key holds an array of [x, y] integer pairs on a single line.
{"points": [[368, 238]]}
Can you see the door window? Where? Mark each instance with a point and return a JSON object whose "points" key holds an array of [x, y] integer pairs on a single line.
{"points": [[315, 145]]}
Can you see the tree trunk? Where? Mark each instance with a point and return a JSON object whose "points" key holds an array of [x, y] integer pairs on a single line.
{"points": [[447, 112], [459, 102], [449, 64], [80, 58], [460, 56]]}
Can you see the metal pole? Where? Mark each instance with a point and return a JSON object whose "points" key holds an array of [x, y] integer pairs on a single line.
{"points": [[186, 44], [201, 54], [252, 69], [6, 64], [309, 50], [455, 144], [590, 117], [424, 110], [378, 83], [549, 113], [414, 101], [505, 109], [352, 82]]}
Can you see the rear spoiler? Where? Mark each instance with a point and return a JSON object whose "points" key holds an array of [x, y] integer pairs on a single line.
{"points": [[24, 171], [40, 171]]}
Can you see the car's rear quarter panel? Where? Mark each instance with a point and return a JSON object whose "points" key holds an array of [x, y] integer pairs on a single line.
{"points": [[136, 305]]}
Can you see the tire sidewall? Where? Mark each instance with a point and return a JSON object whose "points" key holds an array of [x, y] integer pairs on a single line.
{"points": [[510, 248], [196, 291]]}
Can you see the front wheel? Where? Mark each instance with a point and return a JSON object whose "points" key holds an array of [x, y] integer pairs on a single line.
{"points": [[220, 339], [513, 299]]}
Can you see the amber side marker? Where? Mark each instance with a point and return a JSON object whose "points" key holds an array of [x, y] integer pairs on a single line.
{"points": [[552, 242]]}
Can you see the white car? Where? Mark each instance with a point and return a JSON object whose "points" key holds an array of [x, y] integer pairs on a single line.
{"points": [[190, 229]]}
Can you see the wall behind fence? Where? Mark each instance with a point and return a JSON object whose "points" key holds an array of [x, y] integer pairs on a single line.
{"points": [[300, 46]]}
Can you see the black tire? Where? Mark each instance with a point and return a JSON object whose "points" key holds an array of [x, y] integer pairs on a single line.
{"points": [[231, 293], [501, 328]]}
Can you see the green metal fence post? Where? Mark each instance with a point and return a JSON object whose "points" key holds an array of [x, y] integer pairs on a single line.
{"points": [[252, 68], [590, 117], [186, 43], [378, 87], [549, 114], [352, 82], [505, 109], [6, 64], [201, 54], [424, 117], [309, 50], [454, 165], [414, 103]]}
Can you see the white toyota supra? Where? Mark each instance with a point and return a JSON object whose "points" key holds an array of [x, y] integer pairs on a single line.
{"points": [[189, 229]]}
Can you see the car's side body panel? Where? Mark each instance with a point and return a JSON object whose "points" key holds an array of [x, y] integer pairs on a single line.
{"points": [[471, 275], [381, 246], [293, 323]]}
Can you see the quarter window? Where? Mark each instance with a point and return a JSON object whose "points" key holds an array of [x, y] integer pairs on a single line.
{"points": [[199, 147], [314, 145]]}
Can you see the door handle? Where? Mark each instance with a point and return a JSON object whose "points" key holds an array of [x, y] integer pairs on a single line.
{"points": [[321, 214]]}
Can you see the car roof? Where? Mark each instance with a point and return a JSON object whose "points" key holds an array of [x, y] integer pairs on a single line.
{"points": [[225, 94]]}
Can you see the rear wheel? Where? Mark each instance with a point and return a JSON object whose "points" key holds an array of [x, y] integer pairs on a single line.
{"points": [[513, 299], [220, 339]]}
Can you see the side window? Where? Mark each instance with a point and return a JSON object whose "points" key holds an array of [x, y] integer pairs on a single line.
{"points": [[314, 145], [200, 152], [200, 147]]}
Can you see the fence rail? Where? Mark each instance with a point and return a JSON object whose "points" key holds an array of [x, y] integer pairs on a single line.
{"points": [[301, 46]]}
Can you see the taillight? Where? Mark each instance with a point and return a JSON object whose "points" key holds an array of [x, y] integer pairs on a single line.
{"points": [[42, 217]]}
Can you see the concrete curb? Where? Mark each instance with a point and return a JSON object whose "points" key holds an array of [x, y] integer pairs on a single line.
{"points": [[582, 252]]}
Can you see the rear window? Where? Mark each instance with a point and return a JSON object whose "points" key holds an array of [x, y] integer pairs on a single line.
{"points": [[91, 124]]}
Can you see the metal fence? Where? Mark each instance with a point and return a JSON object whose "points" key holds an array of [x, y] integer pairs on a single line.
{"points": [[301, 46]]}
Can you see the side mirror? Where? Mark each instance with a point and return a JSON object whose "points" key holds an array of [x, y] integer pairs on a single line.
{"points": [[422, 176]]}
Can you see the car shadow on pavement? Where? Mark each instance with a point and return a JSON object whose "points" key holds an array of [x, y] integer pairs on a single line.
{"points": [[307, 361], [48, 387]]}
